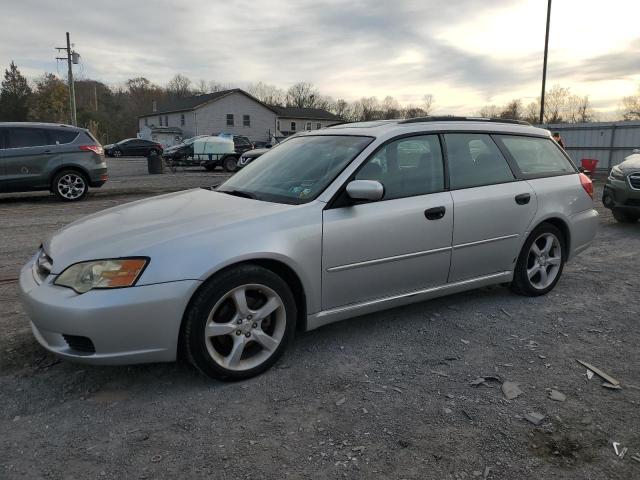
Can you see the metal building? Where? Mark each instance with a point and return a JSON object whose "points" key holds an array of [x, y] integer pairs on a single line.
{"points": [[608, 142]]}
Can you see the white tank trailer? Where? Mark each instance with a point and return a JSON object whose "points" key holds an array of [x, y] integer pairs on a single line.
{"points": [[212, 148]]}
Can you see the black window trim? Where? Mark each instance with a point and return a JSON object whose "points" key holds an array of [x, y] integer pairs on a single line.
{"points": [[42, 129], [531, 176], [339, 199]]}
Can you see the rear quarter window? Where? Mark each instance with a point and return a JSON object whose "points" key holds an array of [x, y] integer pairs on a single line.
{"points": [[60, 137], [536, 156]]}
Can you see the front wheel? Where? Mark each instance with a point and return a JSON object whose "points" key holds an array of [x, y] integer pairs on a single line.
{"points": [[239, 323], [230, 164], [541, 261], [70, 185], [117, 153]]}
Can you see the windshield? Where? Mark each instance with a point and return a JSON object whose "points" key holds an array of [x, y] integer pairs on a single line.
{"points": [[298, 170]]}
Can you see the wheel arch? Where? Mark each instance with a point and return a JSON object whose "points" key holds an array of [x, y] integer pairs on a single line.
{"points": [[561, 225], [75, 168], [278, 267]]}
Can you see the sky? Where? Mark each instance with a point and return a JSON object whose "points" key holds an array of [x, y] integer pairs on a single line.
{"points": [[466, 53]]}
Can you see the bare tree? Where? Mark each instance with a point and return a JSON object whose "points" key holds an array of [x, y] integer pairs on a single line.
{"points": [[555, 104], [532, 112], [631, 106], [342, 109], [512, 110], [179, 86], [489, 111], [390, 108], [578, 109], [366, 109], [428, 102], [302, 95], [269, 94]]}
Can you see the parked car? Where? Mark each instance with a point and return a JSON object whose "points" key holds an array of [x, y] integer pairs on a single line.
{"points": [[133, 147], [622, 191], [250, 155], [181, 150], [63, 159], [337, 223]]}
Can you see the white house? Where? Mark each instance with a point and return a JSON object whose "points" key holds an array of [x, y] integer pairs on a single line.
{"points": [[232, 111]]}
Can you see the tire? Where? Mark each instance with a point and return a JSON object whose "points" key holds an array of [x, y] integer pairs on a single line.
{"points": [[623, 217], [70, 185], [117, 153], [230, 164], [229, 339], [538, 274]]}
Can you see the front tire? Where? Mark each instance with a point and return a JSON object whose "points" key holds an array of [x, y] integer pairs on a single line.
{"points": [[239, 323], [70, 185], [541, 261], [117, 153], [230, 164], [622, 216]]}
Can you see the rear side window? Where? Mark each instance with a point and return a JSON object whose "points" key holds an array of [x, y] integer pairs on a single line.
{"points": [[407, 167], [475, 160], [27, 137], [62, 136], [536, 156]]}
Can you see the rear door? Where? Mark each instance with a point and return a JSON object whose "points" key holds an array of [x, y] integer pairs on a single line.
{"points": [[26, 159], [396, 245], [492, 209]]}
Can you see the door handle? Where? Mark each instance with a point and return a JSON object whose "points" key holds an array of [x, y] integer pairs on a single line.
{"points": [[523, 198], [435, 213]]}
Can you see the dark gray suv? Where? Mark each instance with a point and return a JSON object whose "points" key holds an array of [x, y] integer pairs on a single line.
{"points": [[63, 159]]}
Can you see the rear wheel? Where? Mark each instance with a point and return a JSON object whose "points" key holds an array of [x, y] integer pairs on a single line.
{"points": [[540, 262], [239, 323], [70, 185], [623, 217], [117, 153], [230, 164]]}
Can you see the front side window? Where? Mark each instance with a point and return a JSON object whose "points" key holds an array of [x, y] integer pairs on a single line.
{"points": [[298, 170], [246, 121], [407, 167], [27, 137], [475, 160], [536, 156], [229, 119]]}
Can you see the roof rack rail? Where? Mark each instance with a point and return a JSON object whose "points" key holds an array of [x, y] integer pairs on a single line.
{"points": [[451, 118]]}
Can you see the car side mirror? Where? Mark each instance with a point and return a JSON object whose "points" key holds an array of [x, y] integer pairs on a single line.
{"points": [[368, 190]]}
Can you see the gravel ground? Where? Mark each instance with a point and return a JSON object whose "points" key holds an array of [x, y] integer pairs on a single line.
{"points": [[381, 396]]}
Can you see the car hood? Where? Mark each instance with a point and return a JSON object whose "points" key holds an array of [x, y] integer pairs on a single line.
{"points": [[632, 162], [139, 228]]}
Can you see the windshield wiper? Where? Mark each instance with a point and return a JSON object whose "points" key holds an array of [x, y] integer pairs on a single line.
{"points": [[239, 193]]}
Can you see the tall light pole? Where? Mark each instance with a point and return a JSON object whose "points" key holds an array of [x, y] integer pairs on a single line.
{"points": [[71, 58], [544, 65]]}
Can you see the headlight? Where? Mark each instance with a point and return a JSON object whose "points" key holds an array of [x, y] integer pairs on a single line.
{"points": [[617, 173], [114, 273]]}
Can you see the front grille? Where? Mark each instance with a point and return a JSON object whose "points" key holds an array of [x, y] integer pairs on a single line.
{"points": [[81, 344], [634, 181]]}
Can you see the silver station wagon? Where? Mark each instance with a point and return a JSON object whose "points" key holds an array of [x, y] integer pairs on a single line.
{"points": [[332, 224]]}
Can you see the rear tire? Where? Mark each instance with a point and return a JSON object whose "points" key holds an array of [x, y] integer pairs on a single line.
{"points": [[230, 164], [70, 185], [117, 153], [623, 217], [239, 323], [540, 262]]}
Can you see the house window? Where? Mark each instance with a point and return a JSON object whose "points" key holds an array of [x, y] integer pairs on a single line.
{"points": [[182, 119], [166, 120], [160, 120], [146, 122], [229, 119], [293, 126], [318, 126], [278, 125], [308, 125], [246, 121]]}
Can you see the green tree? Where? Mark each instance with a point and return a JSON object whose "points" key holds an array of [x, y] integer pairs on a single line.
{"points": [[14, 96], [50, 100]]}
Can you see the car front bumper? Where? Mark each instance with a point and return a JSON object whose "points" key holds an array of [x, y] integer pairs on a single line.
{"points": [[621, 195], [127, 325]]}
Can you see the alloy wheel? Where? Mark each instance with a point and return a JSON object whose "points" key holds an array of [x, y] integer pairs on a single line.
{"points": [[71, 186], [544, 260], [245, 327]]}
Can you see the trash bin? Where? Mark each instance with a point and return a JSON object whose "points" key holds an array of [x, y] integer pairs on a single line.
{"points": [[155, 164], [589, 164]]}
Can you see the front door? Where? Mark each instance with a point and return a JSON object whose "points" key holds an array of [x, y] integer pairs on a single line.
{"points": [[399, 244], [491, 209]]}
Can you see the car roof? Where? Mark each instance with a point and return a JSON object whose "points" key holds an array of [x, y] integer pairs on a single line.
{"points": [[39, 124], [391, 128]]}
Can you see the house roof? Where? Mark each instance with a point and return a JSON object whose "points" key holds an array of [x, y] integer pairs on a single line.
{"points": [[191, 103], [305, 113]]}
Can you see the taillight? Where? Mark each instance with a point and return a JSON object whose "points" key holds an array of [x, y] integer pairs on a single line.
{"points": [[587, 184], [93, 148]]}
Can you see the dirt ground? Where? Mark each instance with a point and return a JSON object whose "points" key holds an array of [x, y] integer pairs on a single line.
{"points": [[386, 395]]}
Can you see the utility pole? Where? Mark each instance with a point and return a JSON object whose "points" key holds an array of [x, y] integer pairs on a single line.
{"points": [[71, 58], [544, 65]]}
